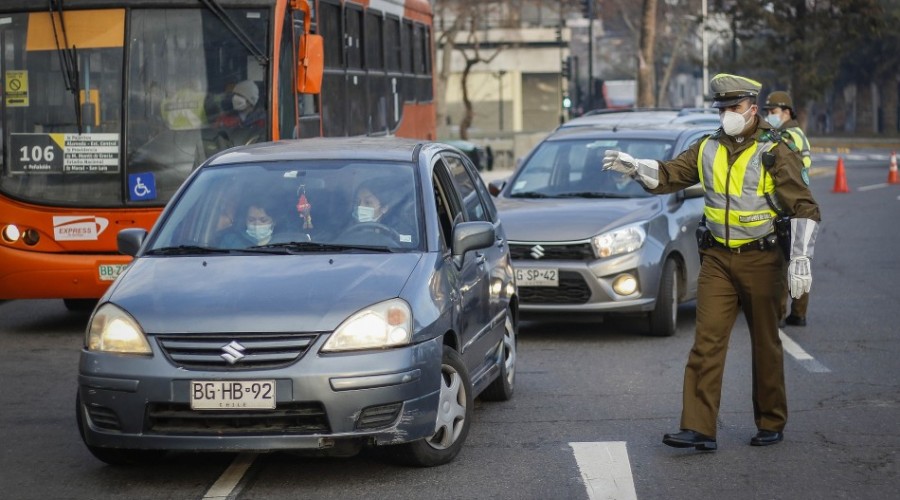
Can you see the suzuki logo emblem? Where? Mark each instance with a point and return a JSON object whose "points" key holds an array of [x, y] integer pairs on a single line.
{"points": [[233, 352], [537, 252]]}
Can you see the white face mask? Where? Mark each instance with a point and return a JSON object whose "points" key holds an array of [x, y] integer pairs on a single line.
{"points": [[238, 103], [774, 120], [259, 232], [734, 123], [365, 214]]}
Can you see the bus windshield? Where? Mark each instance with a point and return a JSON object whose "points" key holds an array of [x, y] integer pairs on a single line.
{"points": [[113, 108]]}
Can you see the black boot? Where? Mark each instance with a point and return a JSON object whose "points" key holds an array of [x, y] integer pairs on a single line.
{"points": [[690, 439]]}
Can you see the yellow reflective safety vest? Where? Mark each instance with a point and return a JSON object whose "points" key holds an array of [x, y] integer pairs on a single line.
{"points": [[802, 144], [736, 208]]}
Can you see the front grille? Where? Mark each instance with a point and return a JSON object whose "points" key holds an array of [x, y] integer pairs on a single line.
{"points": [[104, 418], [378, 416], [287, 418], [572, 289], [566, 251], [247, 351]]}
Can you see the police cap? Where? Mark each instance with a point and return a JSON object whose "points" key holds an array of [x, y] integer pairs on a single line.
{"points": [[729, 90], [779, 99]]}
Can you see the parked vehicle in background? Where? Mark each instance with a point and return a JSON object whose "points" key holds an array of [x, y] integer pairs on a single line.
{"points": [[476, 153], [590, 242], [643, 117], [359, 294]]}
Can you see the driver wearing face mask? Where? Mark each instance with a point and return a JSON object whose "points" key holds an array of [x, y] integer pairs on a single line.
{"points": [[747, 170], [247, 119]]}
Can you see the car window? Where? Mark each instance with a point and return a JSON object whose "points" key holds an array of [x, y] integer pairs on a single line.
{"points": [[574, 168], [447, 203], [330, 202], [465, 185]]}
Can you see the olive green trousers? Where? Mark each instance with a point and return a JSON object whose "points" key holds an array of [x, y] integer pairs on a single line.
{"points": [[753, 281]]}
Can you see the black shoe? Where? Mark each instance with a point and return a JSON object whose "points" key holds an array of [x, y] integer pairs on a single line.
{"points": [[690, 439], [765, 438], [795, 320]]}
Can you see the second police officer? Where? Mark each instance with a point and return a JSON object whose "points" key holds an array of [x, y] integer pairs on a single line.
{"points": [[744, 167], [780, 109]]}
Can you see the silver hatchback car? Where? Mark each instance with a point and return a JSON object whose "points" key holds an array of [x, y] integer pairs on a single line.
{"points": [[592, 242], [322, 294]]}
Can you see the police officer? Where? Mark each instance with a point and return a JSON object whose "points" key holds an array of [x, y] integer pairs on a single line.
{"points": [[739, 165], [780, 109]]}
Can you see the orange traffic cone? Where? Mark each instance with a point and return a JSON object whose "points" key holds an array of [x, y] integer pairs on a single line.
{"points": [[892, 172], [840, 179]]}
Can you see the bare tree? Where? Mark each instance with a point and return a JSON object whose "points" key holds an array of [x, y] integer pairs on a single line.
{"points": [[646, 80]]}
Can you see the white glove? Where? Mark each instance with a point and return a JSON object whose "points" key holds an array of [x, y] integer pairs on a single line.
{"points": [[799, 276], [619, 161]]}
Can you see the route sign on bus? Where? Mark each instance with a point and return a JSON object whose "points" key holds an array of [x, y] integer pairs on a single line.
{"points": [[64, 153]]}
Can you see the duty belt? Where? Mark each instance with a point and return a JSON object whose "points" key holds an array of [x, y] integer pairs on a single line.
{"points": [[765, 243]]}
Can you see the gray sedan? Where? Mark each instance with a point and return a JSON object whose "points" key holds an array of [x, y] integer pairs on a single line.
{"points": [[591, 242], [317, 295]]}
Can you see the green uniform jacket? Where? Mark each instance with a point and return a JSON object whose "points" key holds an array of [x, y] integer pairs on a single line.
{"points": [[791, 190]]}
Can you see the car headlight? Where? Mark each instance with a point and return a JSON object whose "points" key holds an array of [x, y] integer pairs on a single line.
{"points": [[114, 330], [388, 324], [622, 240]]}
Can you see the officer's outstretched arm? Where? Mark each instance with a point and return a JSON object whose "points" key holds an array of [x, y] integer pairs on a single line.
{"points": [[803, 238], [646, 172]]}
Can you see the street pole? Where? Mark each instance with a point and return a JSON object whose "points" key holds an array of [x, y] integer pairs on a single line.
{"points": [[704, 43], [500, 91], [590, 75]]}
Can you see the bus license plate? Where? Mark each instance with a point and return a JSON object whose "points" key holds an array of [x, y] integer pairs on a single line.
{"points": [[109, 272], [537, 277], [232, 395]]}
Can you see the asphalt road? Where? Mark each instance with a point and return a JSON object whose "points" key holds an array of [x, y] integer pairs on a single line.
{"points": [[577, 383]]}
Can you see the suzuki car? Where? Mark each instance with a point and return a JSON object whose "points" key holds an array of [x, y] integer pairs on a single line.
{"points": [[585, 241], [276, 306]]}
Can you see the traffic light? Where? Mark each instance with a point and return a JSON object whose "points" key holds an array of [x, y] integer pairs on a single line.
{"points": [[566, 68], [587, 8], [559, 37], [567, 102]]}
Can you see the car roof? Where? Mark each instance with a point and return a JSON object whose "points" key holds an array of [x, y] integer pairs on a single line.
{"points": [[611, 119], [659, 131], [332, 148]]}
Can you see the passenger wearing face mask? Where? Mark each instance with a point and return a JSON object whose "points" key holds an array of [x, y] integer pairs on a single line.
{"points": [[257, 229], [780, 109], [742, 267]]}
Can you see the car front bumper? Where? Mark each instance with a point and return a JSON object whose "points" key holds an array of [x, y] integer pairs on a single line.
{"points": [[376, 397]]}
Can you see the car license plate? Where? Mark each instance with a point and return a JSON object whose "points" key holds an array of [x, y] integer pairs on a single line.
{"points": [[537, 277], [232, 395], [109, 272]]}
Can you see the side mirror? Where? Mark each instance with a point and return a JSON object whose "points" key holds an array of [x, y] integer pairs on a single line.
{"points": [[471, 236], [310, 64], [130, 240], [495, 186]]}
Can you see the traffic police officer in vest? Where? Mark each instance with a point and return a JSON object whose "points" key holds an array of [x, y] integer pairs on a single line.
{"points": [[747, 172], [780, 109]]}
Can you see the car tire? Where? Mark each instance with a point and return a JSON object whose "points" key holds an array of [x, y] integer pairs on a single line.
{"points": [[501, 389], [664, 317], [452, 420], [80, 305], [115, 456]]}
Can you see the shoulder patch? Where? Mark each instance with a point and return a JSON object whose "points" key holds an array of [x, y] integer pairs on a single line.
{"points": [[804, 173]]}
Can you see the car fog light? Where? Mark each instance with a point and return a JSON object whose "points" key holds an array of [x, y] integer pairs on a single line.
{"points": [[625, 284], [31, 237], [11, 233]]}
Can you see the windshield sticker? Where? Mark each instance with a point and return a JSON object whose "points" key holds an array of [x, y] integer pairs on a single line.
{"points": [[141, 187], [519, 185], [64, 153], [78, 227], [16, 89]]}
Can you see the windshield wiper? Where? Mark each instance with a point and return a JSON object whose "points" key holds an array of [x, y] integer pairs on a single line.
{"points": [[311, 246], [187, 250], [236, 30], [529, 194], [68, 59], [592, 194]]}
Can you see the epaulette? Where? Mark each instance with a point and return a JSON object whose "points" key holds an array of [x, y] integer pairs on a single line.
{"points": [[715, 135]]}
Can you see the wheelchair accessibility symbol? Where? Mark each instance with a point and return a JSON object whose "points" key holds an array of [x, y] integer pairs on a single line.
{"points": [[141, 187]]}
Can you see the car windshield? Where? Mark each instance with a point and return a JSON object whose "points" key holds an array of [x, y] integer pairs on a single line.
{"points": [[294, 207], [574, 168]]}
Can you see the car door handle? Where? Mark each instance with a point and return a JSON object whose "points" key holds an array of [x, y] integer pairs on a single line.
{"points": [[480, 259], [500, 242]]}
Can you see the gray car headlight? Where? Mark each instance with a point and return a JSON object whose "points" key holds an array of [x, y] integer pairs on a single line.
{"points": [[114, 330], [383, 325], [623, 240]]}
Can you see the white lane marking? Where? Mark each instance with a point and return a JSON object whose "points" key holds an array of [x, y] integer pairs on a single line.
{"points": [[802, 357], [228, 481], [873, 186], [605, 470]]}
